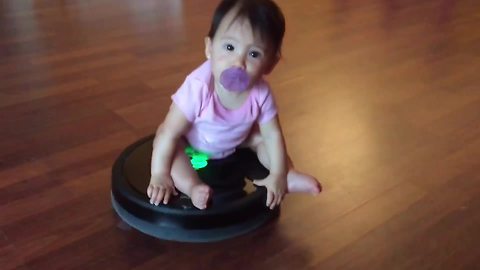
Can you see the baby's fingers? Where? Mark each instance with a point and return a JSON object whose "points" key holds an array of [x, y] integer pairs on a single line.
{"points": [[160, 195], [270, 198], [274, 200], [279, 198], [149, 191], [153, 193], [167, 196]]}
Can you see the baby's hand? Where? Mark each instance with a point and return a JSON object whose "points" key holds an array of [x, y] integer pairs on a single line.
{"points": [[160, 189], [276, 187]]}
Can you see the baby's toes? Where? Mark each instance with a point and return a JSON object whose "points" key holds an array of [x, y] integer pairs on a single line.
{"points": [[200, 196]]}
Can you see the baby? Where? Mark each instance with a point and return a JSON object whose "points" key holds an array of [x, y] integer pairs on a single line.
{"points": [[225, 104]]}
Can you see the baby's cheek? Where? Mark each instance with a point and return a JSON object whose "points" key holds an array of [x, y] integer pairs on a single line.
{"points": [[220, 63], [217, 69], [253, 71], [222, 57]]}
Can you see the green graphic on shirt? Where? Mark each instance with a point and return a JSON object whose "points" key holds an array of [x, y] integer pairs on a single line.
{"points": [[197, 159]]}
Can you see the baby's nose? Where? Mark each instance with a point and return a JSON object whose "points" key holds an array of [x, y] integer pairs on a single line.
{"points": [[239, 61]]}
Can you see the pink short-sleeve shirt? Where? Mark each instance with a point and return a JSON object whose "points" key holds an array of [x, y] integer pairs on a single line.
{"points": [[215, 129]]}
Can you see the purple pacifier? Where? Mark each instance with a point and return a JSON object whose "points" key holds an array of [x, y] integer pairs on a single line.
{"points": [[235, 79]]}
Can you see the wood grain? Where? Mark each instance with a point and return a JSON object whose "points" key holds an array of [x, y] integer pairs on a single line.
{"points": [[379, 99]]}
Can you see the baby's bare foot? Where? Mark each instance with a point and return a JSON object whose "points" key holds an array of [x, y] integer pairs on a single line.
{"points": [[200, 195], [299, 182]]}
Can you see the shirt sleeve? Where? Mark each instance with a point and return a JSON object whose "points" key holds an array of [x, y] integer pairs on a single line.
{"points": [[188, 98], [268, 108]]}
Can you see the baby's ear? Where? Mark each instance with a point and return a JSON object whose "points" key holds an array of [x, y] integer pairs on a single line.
{"points": [[208, 47], [271, 65]]}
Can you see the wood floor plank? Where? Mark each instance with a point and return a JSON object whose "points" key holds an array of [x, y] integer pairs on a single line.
{"points": [[58, 221], [78, 84], [39, 77], [444, 217], [22, 190], [50, 112], [104, 248], [378, 99], [58, 170], [7, 253], [347, 228], [147, 114], [42, 200], [59, 138]]}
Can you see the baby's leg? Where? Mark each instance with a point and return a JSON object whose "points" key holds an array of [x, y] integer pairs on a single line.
{"points": [[296, 181], [186, 179]]}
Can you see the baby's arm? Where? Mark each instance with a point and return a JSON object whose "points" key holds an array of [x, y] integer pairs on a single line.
{"points": [[276, 182], [168, 133]]}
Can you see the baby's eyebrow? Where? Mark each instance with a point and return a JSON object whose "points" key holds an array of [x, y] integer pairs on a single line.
{"points": [[228, 38]]}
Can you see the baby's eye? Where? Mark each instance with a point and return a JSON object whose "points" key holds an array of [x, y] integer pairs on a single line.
{"points": [[229, 47], [255, 54]]}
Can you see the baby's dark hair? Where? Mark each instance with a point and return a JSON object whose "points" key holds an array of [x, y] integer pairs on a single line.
{"points": [[264, 16]]}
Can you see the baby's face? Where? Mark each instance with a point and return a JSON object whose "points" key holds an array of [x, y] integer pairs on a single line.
{"points": [[236, 45]]}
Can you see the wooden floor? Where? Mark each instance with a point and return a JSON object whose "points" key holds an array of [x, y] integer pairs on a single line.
{"points": [[380, 99]]}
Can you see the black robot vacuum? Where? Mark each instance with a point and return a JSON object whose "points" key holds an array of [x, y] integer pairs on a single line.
{"points": [[237, 206]]}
